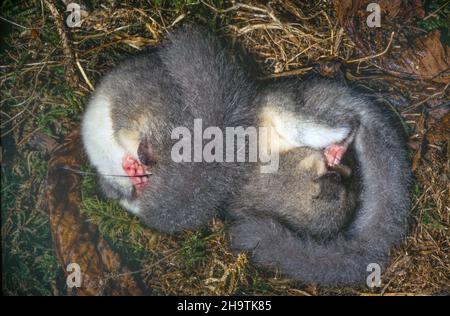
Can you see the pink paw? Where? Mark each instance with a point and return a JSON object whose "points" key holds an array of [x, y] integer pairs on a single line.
{"points": [[333, 154], [136, 171]]}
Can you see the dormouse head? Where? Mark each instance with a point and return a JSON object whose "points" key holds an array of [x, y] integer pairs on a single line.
{"points": [[125, 148]]}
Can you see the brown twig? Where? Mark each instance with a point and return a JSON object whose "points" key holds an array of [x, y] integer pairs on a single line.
{"points": [[294, 72], [71, 74], [373, 56]]}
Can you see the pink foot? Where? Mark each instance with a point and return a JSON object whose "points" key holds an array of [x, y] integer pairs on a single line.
{"points": [[136, 171], [333, 154]]}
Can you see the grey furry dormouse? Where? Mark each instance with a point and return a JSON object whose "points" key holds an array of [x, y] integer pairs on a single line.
{"points": [[312, 222], [326, 243], [133, 112]]}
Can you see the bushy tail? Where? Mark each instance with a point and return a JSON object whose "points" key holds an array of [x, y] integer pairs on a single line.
{"points": [[380, 223]]}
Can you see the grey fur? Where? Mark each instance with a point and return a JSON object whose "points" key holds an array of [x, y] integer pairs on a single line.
{"points": [[263, 225], [189, 76]]}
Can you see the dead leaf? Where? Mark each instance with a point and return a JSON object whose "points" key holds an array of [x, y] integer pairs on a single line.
{"points": [[414, 53], [76, 240]]}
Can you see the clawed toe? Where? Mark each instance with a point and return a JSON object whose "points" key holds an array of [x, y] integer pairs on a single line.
{"points": [[333, 154], [136, 171]]}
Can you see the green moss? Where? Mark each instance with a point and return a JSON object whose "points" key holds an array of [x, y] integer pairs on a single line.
{"points": [[431, 220], [29, 264], [21, 12], [437, 14], [193, 251], [259, 285], [123, 230]]}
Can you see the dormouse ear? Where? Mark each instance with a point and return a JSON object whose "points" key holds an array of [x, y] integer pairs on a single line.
{"points": [[296, 130]]}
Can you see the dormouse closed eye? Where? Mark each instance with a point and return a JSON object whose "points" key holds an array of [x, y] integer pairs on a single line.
{"points": [[145, 153]]}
